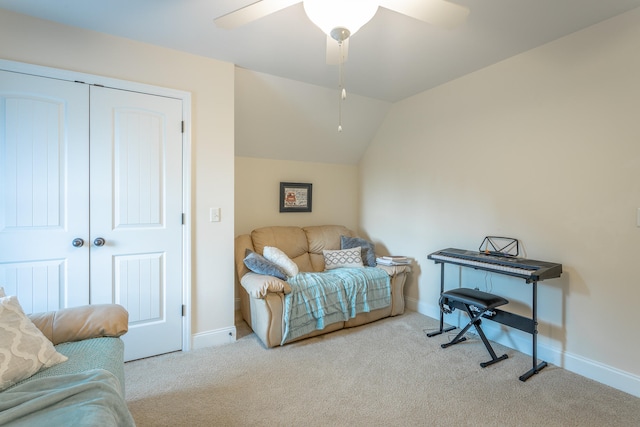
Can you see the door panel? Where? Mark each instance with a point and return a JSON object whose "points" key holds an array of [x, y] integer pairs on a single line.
{"points": [[136, 207], [114, 172], [138, 279], [44, 191]]}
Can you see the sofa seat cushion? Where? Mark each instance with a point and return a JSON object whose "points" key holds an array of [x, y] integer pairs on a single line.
{"points": [[88, 398], [96, 353], [320, 299]]}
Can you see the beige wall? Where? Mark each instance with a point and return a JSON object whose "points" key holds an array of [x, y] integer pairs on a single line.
{"points": [[211, 84], [257, 186], [284, 119], [544, 147]]}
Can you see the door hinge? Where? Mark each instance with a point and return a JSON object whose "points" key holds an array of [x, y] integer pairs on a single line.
{"points": [[182, 219], [182, 126], [184, 310]]}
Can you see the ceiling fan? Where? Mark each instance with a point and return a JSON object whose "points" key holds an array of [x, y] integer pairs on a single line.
{"points": [[339, 19], [335, 17]]}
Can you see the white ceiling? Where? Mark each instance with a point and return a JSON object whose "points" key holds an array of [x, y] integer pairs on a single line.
{"points": [[390, 58]]}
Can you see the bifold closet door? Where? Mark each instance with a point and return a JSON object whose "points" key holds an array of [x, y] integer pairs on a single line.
{"points": [[91, 203], [44, 191], [136, 214]]}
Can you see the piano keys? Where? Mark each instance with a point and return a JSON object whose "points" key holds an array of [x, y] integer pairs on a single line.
{"points": [[530, 270]]}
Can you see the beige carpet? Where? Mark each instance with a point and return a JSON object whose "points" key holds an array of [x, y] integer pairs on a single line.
{"points": [[387, 373]]}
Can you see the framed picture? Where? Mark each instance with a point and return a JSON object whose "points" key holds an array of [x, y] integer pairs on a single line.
{"points": [[295, 197]]}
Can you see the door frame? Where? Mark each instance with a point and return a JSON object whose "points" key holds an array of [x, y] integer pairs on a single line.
{"points": [[91, 79]]}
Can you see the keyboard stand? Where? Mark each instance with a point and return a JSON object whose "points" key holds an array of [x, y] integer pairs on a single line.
{"points": [[534, 353], [442, 328], [522, 323]]}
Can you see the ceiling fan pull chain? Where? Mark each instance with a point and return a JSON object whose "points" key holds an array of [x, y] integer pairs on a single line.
{"points": [[339, 116], [342, 90]]}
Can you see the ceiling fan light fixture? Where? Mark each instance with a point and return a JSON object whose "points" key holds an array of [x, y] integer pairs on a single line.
{"points": [[340, 34], [340, 14]]}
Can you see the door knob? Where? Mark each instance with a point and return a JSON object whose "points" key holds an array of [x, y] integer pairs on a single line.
{"points": [[99, 241], [77, 242]]}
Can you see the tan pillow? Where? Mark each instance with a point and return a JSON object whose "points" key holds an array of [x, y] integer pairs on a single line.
{"points": [[24, 350]]}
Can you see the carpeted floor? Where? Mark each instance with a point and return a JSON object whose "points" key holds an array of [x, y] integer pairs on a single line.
{"points": [[387, 373]]}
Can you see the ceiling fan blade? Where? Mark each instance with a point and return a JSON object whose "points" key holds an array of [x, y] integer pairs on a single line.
{"points": [[252, 12], [333, 51], [437, 12]]}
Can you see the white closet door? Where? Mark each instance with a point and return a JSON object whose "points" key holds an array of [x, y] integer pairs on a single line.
{"points": [[44, 190], [136, 208]]}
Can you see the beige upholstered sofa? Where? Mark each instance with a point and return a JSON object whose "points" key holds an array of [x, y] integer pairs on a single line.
{"points": [[262, 298]]}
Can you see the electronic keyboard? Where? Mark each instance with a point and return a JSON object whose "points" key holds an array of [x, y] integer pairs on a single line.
{"points": [[530, 270]]}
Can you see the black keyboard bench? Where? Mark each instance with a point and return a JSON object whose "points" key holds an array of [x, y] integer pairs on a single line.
{"points": [[476, 303]]}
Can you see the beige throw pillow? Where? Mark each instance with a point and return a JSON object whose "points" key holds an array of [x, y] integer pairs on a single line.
{"points": [[342, 258], [24, 350], [281, 259]]}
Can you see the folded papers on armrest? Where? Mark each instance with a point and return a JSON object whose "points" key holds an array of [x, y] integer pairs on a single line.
{"points": [[393, 260]]}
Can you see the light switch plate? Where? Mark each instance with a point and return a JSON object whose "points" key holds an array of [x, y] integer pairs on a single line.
{"points": [[214, 214]]}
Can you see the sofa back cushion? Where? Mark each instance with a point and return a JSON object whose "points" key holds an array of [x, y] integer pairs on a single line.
{"points": [[323, 237], [303, 245], [290, 240]]}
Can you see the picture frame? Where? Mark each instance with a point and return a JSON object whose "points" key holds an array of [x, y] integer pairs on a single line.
{"points": [[296, 197]]}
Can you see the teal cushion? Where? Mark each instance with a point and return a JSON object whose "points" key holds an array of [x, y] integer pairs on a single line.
{"points": [[95, 353]]}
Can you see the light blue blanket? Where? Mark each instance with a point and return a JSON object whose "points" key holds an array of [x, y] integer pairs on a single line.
{"points": [[90, 398], [320, 299]]}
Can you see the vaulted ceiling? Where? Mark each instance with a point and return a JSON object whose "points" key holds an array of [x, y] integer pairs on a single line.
{"points": [[391, 58]]}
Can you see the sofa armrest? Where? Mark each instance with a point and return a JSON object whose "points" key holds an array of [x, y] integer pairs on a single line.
{"points": [[80, 323], [258, 285], [242, 243], [394, 270], [398, 275]]}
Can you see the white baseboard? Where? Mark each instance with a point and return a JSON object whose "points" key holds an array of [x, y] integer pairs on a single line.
{"points": [[213, 338], [521, 341]]}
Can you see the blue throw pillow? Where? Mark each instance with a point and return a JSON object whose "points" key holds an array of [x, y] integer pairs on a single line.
{"points": [[259, 264], [367, 249]]}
